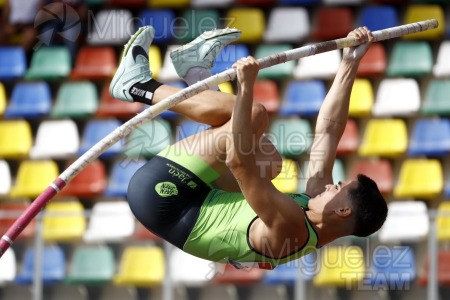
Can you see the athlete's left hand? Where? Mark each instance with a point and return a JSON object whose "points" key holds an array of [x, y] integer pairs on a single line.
{"points": [[247, 69], [354, 54]]}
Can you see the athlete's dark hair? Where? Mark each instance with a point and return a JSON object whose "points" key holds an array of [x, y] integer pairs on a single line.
{"points": [[369, 206]]}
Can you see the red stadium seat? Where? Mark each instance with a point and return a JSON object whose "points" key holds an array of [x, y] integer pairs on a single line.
{"points": [[350, 139], [95, 63], [332, 23], [91, 182], [142, 233], [13, 211], [443, 275], [374, 62], [266, 93], [112, 108], [379, 170]]}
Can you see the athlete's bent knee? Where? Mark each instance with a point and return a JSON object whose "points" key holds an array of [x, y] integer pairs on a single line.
{"points": [[260, 119]]}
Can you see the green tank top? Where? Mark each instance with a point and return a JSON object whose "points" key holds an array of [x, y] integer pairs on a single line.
{"points": [[221, 233]]}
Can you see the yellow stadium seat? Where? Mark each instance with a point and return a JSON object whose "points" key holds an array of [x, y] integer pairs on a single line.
{"points": [[287, 180], [420, 12], [168, 3], [155, 57], [250, 21], [361, 98], [3, 101], [419, 178], [226, 87], [384, 137], [141, 267], [63, 221], [33, 178], [443, 221], [15, 139], [340, 266]]}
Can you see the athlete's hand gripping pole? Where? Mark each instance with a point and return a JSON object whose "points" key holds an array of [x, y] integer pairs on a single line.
{"points": [[8, 238]]}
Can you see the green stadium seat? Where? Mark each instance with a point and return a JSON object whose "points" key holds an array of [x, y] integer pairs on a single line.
{"points": [[410, 59], [195, 22], [50, 63], [279, 71], [76, 99], [291, 137], [437, 98]]}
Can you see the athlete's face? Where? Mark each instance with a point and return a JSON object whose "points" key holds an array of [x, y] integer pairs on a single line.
{"points": [[334, 198]]}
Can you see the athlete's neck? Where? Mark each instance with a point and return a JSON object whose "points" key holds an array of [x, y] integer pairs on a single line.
{"points": [[326, 231]]}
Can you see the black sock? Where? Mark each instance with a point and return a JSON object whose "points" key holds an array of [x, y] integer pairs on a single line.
{"points": [[143, 91]]}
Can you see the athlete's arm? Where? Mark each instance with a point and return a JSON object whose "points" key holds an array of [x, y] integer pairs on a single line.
{"points": [[333, 116], [278, 212]]}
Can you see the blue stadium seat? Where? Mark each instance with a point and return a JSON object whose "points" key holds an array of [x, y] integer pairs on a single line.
{"points": [[121, 174], [430, 137], [162, 20], [289, 273], [53, 266], [29, 100], [391, 267], [303, 98], [378, 17], [96, 130], [13, 63], [187, 128], [228, 56]]}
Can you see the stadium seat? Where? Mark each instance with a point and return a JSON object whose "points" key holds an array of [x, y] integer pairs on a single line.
{"points": [[230, 275], [251, 21], [350, 139], [436, 98], [380, 170], [76, 100], [374, 63], [407, 221], [63, 221], [141, 267], [96, 130], [287, 180], [93, 3], [384, 137], [443, 222], [322, 66], [29, 100], [3, 101], [443, 274], [228, 56], [187, 128], [95, 63], [112, 27], [195, 22], [168, 3], [430, 137], [128, 3], [410, 59], [420, 12], [168, 72], [8, 267], [265, 92], [53, 266], [298, 2], [420, 178], [332, 23], [378, 17], [148, 139], [211, 3], [50, 63], [12, 210], [188, 270], [111, 221], [279, 71], [13, 63], [162, 21], [5, 174], [393, 266], [361, 98], [287, 24], [397, 97], [121, 174], [303, 98], [89, 183], [55, 139], [143, 234], [288, 274], [92, 265], [291, 137], [15, 139], [441, 68], [336, 271], [256, 2], [110, 107]]}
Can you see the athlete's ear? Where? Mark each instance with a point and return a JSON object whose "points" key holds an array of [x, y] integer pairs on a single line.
{"points": [[343, 212]]}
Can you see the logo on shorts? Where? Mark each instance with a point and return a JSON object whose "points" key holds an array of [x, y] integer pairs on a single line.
{"points": [[166, 189]]}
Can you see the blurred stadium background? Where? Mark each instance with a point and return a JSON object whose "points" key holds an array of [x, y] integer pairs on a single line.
{"points": [[56, 60]]}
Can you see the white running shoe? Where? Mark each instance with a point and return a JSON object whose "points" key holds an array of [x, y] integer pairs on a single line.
{"points": [[134, 66], [202, 51]]}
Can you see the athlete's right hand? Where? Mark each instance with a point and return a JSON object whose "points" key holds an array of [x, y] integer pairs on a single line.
{"points": [[247, 69]]}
